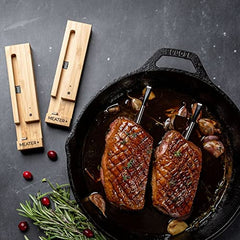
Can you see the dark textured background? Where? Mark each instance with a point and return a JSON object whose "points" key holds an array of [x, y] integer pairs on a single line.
{"points": [[124, 35]]}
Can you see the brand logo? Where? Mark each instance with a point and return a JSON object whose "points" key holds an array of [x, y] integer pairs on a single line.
{"points": [[24, 144], [181, 53], [56, 119]]}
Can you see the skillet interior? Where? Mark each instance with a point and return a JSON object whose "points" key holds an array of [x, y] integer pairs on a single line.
{"points": [[122, 227]]}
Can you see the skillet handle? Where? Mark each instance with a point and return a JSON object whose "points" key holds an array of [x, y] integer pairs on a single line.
{"points": [[151, 63]]}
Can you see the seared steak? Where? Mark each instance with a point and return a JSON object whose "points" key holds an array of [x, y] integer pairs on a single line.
{"points": [[125, 164], [175, 176]]}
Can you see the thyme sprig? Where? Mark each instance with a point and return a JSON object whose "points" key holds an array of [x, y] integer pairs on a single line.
{"points": [[64, 220]]}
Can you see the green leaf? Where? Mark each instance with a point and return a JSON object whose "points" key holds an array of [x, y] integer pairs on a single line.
{"points": [[177, 154], [44, 180]]}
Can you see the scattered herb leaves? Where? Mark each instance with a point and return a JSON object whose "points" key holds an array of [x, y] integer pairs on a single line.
{"points": [[189, 183], [130, 163], [125, 177], [134, 135], [177, 154]]}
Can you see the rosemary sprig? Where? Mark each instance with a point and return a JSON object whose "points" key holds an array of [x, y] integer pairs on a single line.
{"points": [[64, 221]]}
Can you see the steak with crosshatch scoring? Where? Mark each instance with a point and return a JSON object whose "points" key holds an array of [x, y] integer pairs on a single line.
{"points": [[125, 164], [175, 175]]}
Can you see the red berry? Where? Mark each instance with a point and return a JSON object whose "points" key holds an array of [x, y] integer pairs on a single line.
{"points": [[88, 233], [45, 201], [27, 175], [23, 226], [52, 155]]}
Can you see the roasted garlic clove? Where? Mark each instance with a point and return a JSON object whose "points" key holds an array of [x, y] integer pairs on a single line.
{"points": [[169, 124], [210, 138], [175, 227], [98, 201], [208, 126], [172, 114], [213, 145], [183, 111], [136, 104], [177, 111]]}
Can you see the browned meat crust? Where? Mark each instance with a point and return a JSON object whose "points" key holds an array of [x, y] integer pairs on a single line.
{"points": [[125, 164], [175, 175]]}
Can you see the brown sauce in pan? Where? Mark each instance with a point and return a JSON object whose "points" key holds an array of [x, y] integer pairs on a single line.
{"points": [[215, 174]]}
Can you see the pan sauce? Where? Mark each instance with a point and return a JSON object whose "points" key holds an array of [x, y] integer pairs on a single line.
{"points": [[215, 174]]}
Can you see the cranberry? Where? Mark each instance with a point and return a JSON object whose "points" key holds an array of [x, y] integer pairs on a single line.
{"points": [[45, 201], [52, 155], [88, 233], [27, 175], [23, 226]]}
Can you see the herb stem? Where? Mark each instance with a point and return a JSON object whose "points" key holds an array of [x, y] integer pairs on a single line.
{"points": [[64, 221]]}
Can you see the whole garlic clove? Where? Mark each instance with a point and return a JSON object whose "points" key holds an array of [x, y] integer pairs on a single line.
{"points": [[215, 147], [98, 201], [175, 227], [183, 112], [136, 104], [207, 126]]}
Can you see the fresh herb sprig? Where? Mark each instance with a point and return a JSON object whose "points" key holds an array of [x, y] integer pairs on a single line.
{"points": [[63, 221]]}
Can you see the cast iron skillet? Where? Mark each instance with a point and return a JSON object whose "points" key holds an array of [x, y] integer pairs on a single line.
{"points": [[147, 224]]}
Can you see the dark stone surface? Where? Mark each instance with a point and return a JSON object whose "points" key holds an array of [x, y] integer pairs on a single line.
{"points": [[124, 35]]}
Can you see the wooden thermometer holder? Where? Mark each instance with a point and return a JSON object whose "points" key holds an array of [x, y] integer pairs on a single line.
{"points": [[23, 96], [68, 73]]}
